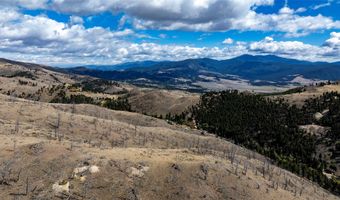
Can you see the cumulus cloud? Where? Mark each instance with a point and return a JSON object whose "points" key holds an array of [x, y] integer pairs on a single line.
{"points": [[206, 15], [202, 15], [44, 40], [166, 10], [269, 45], [76, 20], [286, 11], [41, 35], [194, 15], [7, 14], [301, 10], [297, 49], [334, 41], [30, 4], [286, 21], [228, 41]]}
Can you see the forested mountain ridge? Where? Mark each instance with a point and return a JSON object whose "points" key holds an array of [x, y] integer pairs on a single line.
{"points": [[242, 73]]}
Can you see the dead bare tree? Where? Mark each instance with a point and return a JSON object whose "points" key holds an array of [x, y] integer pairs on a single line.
{"points": [[113, 143], [237, 162], [245, 167], [270, 171], [302, 187], [125, 140], [21, 110], [73, 108], [135, 130], [16, 127], [145, 139], [139, 139], [6, 176], [57, 126], [14, 144], [12, 97], [86, 187], [264, 168], [286, 183], [232, 154], [23, 193]]}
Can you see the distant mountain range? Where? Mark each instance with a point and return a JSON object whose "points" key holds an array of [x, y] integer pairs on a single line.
{"points": [[243, 72], [120, 67]]}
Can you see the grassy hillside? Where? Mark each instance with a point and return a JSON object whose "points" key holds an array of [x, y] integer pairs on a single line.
{"points": [[128, 156], [64, 138], [44, 84]]}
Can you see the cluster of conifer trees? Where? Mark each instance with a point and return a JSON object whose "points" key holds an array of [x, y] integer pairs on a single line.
{"points": [[270, 127], [96, 85], [113, 104]]}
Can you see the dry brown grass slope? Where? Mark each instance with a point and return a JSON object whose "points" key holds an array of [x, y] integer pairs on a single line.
{"points": [[42, 83], [161, 102], [311, 92], [105, 154], [30, 81]]}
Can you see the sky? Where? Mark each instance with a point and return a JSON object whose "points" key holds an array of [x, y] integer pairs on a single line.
{"points": [[105, 32]]}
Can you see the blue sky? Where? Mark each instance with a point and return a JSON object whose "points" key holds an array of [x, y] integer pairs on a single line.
{"points": [[76, 32]]}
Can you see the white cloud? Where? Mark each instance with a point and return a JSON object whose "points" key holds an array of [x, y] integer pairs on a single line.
{"points": [[286, 21], [269, 45], [299, 50], [301, 10], [334, 41], [30, 4], [44, 40], [268, 39], [202, 15], [328, 3], [76, 20], [8, 14], [286, 11], [123, 33], [206, 15], [200, 10], [194, 15], [228, 41]]}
